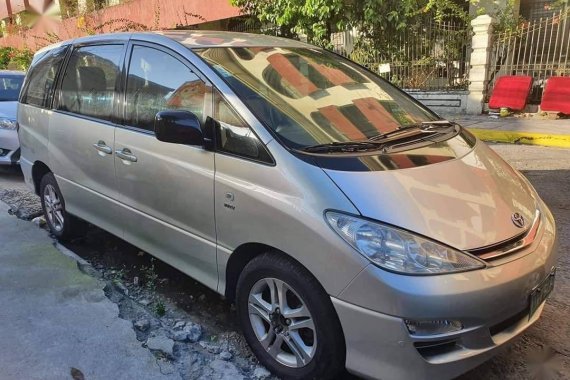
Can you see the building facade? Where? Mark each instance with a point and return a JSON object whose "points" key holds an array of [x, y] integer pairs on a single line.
{"points": [[50, 21]]}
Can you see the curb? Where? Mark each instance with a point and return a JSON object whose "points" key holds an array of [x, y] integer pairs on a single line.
{"points": [[526, 138]]}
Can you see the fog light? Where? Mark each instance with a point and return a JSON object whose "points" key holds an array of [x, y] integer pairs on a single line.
{"points": [[433, 327]]}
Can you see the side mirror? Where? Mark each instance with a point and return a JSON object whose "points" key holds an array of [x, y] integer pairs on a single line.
{"points": [[178, 127]]}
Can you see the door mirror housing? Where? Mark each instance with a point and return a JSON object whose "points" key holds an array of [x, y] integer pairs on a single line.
{"points": [[178, 127]]}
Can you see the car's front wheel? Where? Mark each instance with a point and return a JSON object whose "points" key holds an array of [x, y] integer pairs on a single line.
{"points": [[288, 319], [61, 224]]}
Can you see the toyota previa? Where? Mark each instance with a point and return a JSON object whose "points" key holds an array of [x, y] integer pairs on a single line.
{"points": [[351, 226]]}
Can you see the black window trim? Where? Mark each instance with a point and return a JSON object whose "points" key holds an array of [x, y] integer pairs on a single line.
{"points": [[56, 100], [55, 89], [235, 155]]}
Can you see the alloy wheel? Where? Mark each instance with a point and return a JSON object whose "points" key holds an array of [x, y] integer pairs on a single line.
{"points": [[282, 322], [53, 208]]}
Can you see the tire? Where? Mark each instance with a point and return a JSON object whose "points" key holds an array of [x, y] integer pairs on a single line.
{"points": [[61, 224], [261, 320]]}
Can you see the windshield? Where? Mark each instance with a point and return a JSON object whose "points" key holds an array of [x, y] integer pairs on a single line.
{"points": [[10, 87], [309, 96]]}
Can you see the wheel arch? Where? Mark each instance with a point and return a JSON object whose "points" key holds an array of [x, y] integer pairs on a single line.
{"points": [[237, 261], [240, 257], [39, 169]]}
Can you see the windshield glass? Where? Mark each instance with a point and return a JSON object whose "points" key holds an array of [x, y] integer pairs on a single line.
{"points": [[10, 87], [309, 96]]}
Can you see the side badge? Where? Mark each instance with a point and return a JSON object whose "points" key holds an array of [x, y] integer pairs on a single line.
{"points": [[229, 200]]}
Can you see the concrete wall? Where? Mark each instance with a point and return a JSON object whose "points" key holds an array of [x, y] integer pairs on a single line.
{"points": [[443, 102], [146, 12]]}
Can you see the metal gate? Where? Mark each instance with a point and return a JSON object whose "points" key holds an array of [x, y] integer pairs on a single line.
{"points": [[540, 49], [426, 56]]}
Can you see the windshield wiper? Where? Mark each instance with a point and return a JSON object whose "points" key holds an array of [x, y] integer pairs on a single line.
{"points": [[436, 126], [346, 146], [380, 142]]}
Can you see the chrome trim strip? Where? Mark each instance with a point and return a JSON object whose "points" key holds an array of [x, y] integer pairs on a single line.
{"points": [[506, 249]]}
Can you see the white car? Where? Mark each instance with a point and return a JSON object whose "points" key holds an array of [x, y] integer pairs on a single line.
{"points": [[10, 85]]}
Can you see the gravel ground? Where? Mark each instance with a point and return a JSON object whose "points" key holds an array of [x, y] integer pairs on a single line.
{"points": [[195, 333]]}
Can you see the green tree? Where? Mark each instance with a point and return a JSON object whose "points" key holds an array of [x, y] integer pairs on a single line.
{"points": [[374, 19]]}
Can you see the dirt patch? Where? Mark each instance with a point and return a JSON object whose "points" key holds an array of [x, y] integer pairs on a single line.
{"points": [[24, 204]]}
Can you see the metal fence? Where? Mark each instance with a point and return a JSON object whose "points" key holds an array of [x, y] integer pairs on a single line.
{"points": [[428, 56], [539, 49]]}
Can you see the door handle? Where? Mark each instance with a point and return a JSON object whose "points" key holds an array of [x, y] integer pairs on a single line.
{"points": [[102, 147], [126, 155]]}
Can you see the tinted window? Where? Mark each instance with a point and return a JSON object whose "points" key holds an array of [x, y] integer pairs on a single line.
{"points": [[39, 87], [157, 82], [10, 87], [234, 135], [90, 80]]}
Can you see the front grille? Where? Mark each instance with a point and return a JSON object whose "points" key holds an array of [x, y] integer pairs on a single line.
{"points": [[510, 246], [435, 348]]}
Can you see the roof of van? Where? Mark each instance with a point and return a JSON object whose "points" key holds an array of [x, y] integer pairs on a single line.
{"points": [[192, 39], [197, 38]]}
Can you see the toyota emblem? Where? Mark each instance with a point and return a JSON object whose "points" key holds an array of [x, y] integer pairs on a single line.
{"points": [[518, 220]]}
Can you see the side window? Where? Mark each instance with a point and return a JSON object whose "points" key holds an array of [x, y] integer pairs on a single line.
{"points": [[38, 90], [90, 81], [234, 135], [156, 82]]}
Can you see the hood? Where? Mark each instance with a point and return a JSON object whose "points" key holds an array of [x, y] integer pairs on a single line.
{"points": [[466, 203], [8, 110]]}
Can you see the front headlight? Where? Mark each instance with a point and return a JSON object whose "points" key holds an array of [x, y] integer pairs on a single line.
{"points": [[397, 250], [7, 124]]}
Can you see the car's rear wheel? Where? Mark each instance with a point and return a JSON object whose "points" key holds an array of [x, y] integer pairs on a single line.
{"points": [[61, 224], [288, 319]]}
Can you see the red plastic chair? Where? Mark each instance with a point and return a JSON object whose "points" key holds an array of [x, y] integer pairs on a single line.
{"points": [[556, 95], [511, 91]]}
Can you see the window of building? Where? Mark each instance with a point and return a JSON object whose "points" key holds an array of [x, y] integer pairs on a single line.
{"points": [[90, 81], [156, 82]]}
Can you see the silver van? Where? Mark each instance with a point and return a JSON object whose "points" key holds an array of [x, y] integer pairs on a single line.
{"points": [[351, 226]]}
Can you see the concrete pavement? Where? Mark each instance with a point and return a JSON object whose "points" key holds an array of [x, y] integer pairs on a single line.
{"points": [[54, 318], [531, 130]]}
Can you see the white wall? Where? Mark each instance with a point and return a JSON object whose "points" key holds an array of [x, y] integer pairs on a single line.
{"points": [[443, 102]]}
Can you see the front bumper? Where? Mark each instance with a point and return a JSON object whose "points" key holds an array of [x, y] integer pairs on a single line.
{"points": [[379, 346], [9, 147], [492, 304]]}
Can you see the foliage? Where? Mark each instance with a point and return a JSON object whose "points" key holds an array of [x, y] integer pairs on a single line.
{"points": [[68, 8], [5, 56], [12, 58], [150, 275], [557, 4], [505, 19], [374, 19], [160, 309]]}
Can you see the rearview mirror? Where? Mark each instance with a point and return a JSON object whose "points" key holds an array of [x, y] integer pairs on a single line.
{"points": [[178, 127]]}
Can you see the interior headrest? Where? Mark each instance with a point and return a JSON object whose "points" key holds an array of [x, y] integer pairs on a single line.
{"points": [[92, 79]]}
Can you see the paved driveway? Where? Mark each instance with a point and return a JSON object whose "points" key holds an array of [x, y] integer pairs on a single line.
{"points": [[55, 321]]}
